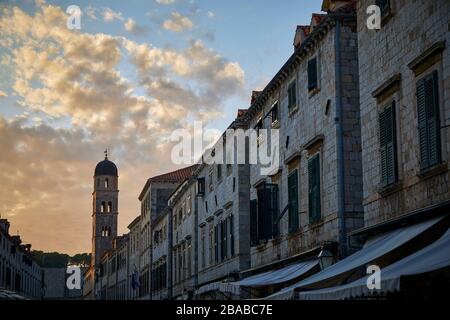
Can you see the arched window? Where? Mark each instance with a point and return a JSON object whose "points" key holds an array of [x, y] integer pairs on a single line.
{"points": [[109, 206], [109, 231], [98, 182], [103, 207], [106, 183]]}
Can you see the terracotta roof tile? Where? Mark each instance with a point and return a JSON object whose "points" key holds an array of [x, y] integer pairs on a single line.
{"points": [[174, 176]]}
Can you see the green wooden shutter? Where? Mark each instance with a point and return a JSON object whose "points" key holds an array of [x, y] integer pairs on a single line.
{"points": [[253, 222], [230, 218], [274, 209], [216, 243], [225, 239], [388, 147], [292, 96], [293, 201], [314, 188], [312, 73], [428, 121]]}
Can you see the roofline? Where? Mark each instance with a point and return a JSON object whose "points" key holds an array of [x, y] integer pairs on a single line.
{"points": [[296, 58], [152, 180], [135, 221]]}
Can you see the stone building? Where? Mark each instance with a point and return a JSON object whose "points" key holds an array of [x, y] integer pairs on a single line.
{"points": [[133, 257], [184, 269], [153, 198], [314, 197], [19, 272], [223, 221], [160, 256], [405, 108], [113, 276]]}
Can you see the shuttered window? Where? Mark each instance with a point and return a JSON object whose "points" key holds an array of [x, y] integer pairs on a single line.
{"points": [[292, 95], [314, 188], [224, 240], [388, 147], [312, 74], [216, 243], [293, 201], [428, 118], [385, 7], [254, 222], [230, 225]]}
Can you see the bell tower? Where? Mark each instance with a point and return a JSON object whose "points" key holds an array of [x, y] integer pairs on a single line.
{"points": [[104, 208]]}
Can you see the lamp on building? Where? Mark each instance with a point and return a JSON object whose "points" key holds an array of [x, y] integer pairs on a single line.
{"points": [[325, 257]]}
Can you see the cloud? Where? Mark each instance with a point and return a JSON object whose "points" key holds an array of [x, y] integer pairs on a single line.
{"points": [[75, 78], [165, 2], [132, 27], [91, 12], [110, 15], [177, 23], [210, 14]]}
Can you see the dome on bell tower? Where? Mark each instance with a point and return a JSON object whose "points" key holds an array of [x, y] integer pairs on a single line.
{"points": [[106, 168]]}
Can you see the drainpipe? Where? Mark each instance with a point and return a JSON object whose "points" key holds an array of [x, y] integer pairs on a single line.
{"points": [[170, 255], [340, 143]]}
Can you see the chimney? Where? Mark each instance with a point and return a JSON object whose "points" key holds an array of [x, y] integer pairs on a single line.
{"points": [[301, 33], [255, 95], [316, 19], [4, 224]]}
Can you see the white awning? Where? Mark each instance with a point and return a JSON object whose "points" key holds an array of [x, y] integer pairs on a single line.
{"points": [[433, 257], [273, 277], [278, 276], [374, 248]]}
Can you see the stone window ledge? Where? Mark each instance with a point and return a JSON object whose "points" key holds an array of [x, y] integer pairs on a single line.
{"points": [[313, 92], [386, 190], [433, 171], [293, 111]]}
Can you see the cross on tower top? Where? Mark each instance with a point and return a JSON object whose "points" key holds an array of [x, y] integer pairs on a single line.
{"points": [[106, 154]]}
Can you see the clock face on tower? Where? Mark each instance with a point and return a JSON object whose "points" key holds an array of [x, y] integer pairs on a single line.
{"points": [[105, 208]]}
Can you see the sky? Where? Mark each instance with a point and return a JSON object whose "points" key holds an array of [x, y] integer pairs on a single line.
{"points": [[133, 73]]}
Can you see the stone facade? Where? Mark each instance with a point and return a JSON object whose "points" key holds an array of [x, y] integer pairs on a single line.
{"points": [[182, 203], [309, 128], [411, 44], [19, 272], [160, 253]]}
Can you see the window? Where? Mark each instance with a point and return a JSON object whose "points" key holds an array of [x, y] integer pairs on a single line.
{"points": [[189, 252], [223, 240], [188, 205], [231, 234], [229, 169], [312, 74], [258, 127], [201, 186], [388, 148], [385, 7], [428, 118], [292, 95], [254, 222], [211, 243], [267, 211], [211, 180], [314, 188], [109, 206], [293, 201], [203, 249], [216, 243], [106, 183], [103, 207], [274, 112], [180, 216], [219, 172]]}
